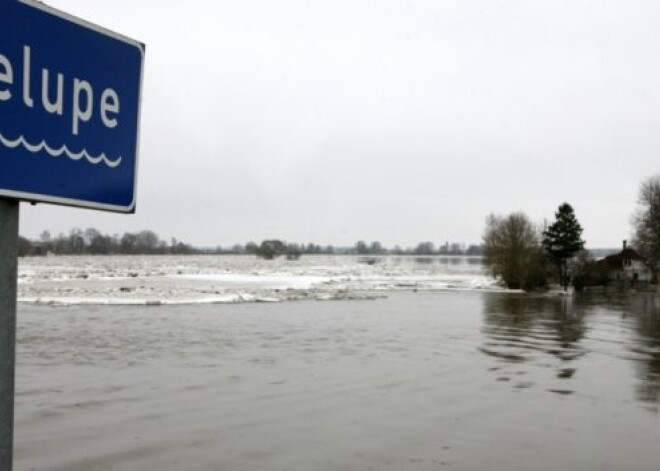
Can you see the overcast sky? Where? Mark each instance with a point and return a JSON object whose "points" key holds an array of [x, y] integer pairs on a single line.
{"points": [[397, 121]]}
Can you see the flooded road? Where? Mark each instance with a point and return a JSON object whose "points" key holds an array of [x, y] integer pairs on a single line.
{"points": [[417, 380]]}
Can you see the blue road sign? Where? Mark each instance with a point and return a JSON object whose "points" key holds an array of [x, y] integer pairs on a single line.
{"points": [[69, 109]]}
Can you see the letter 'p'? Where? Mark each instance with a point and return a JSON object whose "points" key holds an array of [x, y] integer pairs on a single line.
{"points": [[82, 87]]}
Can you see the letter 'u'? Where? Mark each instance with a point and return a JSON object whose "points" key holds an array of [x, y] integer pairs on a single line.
{"points": [[56, 106]]}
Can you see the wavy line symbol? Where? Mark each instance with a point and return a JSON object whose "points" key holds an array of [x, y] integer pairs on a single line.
{"points": [[43, 146]]}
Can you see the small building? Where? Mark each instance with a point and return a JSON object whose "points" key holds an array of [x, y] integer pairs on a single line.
{"points": [[626, 265]]}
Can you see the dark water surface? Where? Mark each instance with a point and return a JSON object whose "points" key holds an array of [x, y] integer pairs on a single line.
{"points": [[572, 334], [420, 381]]}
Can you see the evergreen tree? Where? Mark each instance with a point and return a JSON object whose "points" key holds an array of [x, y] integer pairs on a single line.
{"points": [[562, 240]]}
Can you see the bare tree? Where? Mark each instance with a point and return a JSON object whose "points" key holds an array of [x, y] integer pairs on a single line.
{"points": [[425, 248], [646, 223], [512, 250]]}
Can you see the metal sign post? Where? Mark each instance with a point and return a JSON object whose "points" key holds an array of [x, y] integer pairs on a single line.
{"points": [[8, 274]]}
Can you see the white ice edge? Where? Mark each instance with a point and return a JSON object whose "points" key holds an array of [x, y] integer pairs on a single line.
{"points": [[234, 298], [80, 301]]}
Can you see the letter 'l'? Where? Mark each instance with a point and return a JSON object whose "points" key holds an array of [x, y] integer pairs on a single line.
{"points": [[27, 99]]}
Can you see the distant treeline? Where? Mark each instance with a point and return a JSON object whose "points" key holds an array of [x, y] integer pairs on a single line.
{"points": [[273, 248], [93, 242]]}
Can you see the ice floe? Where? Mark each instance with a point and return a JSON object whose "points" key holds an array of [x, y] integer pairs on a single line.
{"points": [[236, 279]]}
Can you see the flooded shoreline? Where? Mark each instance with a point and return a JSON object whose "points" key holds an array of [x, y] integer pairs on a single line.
{"points": [[427, 380]]}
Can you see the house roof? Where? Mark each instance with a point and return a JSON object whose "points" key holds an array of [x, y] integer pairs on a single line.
{"points": [[615, 261]]}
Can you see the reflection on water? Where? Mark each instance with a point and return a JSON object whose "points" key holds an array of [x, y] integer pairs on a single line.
{"points": [[449, 260], [521, 328], [441, 264], [646, 314], [441, 260], [424, 260], [553, 336]]}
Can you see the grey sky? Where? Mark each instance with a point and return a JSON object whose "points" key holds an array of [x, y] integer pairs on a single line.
{"points": [[397, 121]]}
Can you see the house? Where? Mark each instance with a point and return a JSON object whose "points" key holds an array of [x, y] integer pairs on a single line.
{"points": [[626, 265]]}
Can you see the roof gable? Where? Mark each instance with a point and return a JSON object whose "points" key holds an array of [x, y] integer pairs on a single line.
{"points": [[616, 261]]}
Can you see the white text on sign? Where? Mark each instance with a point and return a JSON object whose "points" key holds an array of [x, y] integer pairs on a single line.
{"points": [[81, 94]]}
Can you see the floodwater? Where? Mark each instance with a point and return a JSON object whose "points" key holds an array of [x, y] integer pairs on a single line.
{"points": [[429, 380]]}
